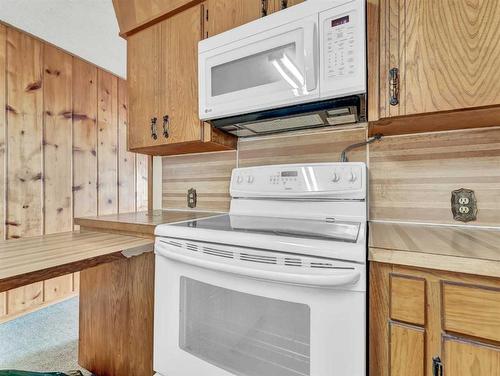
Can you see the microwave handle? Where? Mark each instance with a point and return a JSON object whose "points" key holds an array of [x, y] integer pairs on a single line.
{"points": [[311, 50], [337, 278]]}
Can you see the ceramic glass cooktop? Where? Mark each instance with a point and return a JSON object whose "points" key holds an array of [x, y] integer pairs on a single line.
{"points": [[303, 228]]}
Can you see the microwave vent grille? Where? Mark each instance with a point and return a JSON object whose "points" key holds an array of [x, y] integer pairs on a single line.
{"points": [[330, 113], [286, 124]]}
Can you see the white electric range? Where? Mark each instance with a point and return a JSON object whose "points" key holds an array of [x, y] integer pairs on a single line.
{"points": [[276, 287]]}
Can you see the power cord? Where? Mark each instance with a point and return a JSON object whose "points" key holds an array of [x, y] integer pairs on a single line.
{"points": [[343, 156]]}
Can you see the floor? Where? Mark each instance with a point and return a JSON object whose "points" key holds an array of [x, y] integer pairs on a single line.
{"points": [[44, 341]]}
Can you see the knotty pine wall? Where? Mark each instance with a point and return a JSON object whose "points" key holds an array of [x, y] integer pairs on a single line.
{"points": [[63, 152], [411, 176]]}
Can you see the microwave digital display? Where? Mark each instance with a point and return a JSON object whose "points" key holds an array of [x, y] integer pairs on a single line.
{"points": [[340, 21], [287, 174]]}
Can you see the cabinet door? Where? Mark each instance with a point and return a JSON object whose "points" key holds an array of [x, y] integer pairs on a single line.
{"points": [[143, 78], [227, 14], [277, 5], [467, 358], [291, 3], [446, 53], [178, 96], [407, 349]]}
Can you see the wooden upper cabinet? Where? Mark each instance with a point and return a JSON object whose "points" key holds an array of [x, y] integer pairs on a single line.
{"points": [[143, 51], [133, 15], [178, 111], [163, 89], [223, 15], [443, 56], [277, 5]]}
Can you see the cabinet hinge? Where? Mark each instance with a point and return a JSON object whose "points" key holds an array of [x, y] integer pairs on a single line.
{"points": [[437, 366]]}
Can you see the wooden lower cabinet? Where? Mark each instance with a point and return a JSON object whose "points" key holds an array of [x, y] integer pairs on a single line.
{"points": [[116, 317], [470, 359], [417, 315], [407, 350]]}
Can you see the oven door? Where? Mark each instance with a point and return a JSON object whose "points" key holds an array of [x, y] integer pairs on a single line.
{"points": [[226, 311], [269, 69]]}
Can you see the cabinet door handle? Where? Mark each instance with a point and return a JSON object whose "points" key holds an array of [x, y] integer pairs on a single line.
{"points": [[264, 4], [154, 134], [437, 366], [284, 4], [165, 126], [394, 86]]}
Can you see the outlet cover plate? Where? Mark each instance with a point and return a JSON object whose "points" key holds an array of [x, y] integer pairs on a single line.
{"points": [[464, 212]]}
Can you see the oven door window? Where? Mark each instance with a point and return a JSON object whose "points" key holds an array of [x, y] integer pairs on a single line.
{"points": [[244, 334]]}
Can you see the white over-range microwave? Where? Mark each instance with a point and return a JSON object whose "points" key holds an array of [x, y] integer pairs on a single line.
{"points": [[301, 67]]}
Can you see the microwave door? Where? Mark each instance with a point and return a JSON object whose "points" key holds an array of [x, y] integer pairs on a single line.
{"points": [[270, 69]]}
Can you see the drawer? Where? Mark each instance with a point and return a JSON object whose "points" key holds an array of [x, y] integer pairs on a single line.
{"points": [[471, 310], [408, 299]]}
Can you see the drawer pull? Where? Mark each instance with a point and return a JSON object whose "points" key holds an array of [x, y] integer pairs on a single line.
{"points": [[166, 121], [394, 86], [154, 134]]}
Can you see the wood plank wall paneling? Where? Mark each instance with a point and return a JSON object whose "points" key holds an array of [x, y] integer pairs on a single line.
{"points": [[24, 129], [126, 160], [57, 139], [208, 173], [142, 173], [3, 121], [107, 143], [55, 156], [3, 128], [323, 146], [412, 176], [84, 138]]}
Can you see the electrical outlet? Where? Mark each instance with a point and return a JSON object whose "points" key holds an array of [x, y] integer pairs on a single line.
{"points": [[192, 198], [464, 205]]}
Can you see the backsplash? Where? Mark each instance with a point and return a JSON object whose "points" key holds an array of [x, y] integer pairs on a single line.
{"points": [[411, 176], [209, 173]]}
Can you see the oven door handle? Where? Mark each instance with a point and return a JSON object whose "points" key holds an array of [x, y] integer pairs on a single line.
{"points": [[338, 278]]}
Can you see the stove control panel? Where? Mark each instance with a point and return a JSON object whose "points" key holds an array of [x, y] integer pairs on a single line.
{"points": [[301, 180]]}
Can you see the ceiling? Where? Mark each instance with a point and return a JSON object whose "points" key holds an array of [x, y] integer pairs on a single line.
{"points": [[86, 28]]}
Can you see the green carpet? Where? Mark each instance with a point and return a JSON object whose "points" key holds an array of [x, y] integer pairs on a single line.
{"points": [[43, 341]]}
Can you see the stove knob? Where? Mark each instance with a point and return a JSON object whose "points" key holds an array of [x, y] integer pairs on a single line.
{"points": [[239, 179], [352, 177], [335, 177], [250, 179]]}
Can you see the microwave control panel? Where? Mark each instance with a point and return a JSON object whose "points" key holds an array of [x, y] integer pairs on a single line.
{"points": [[340, 46], [343, 54]]}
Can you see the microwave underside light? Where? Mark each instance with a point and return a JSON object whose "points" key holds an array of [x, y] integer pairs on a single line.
{"points": [[330, 113]]}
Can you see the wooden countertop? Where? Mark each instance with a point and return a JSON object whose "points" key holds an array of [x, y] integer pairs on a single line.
{"points": [[459, 249], [28, 260], [138, 223]]}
